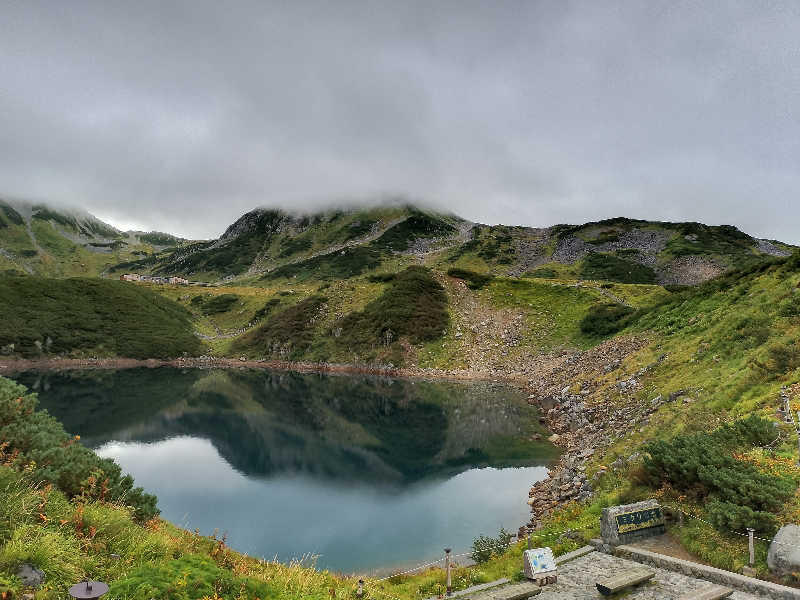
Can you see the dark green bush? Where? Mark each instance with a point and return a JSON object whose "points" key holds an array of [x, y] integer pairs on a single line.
{"points": [[605, 237], [80, 316], [291, 246], [542, 273], [156, 238], [186, 578], [475, 281], [605, 319], [9, 214], [790, 307], [287, 334], [783, 357], [413, 306], [702, 465], [267, 309], [349, 262], [36, 440], [418, 225], [609, 267], [382, 277], [219, 304], [727, 516], [485, 547]]}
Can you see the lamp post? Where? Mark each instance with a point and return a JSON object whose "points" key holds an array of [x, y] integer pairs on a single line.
{"points": [[447, 567], [88, 590]]}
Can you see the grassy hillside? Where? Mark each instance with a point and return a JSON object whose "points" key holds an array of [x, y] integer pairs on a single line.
{"points": [[43, 240], [90, 317]]}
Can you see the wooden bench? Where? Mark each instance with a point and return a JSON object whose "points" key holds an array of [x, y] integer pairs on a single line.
{"points": [[711, 592], [625, 579]]}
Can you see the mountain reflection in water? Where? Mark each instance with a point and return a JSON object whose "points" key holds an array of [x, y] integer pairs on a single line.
{"points": [[364, 471]]}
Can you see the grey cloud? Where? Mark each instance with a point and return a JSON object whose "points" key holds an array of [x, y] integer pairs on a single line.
{"points": [[183, 115]]}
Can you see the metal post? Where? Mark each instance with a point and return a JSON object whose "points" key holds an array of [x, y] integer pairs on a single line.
{"points": [[680, 518], [798, 437], [530, 541], [447, 567], [360, 591], [751, 545]]}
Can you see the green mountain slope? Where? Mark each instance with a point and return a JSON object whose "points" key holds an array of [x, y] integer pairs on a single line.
{"points": [[55, 242], [90, 317]]}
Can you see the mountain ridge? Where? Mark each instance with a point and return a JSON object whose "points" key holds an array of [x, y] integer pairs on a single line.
{"points": [[39, 239]]}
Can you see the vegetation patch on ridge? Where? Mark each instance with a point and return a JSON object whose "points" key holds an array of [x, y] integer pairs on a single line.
{"points": [[611, 268], [79, 317], [413, 307]]}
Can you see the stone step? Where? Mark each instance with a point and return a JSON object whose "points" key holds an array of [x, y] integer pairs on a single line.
{"points": [[475, 589], [513, 591], [622, 580], [712, 592]]}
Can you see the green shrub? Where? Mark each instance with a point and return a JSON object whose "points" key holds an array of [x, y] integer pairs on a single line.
{"points": [[381, 277], [485, 547], [156, 238], [605, 237], [267, 309], [702, 465], [287, 334], [413, 306], [36, 440], [219, 304], [291, 246], [11, 215], [612, 268], [783, 357], [749, 332], [92, 316], [675, 288], [605, 319], [727, 516], [418, 225], [475, 281], [790, 307], [346, 263], [187, 578], [542, 273]]}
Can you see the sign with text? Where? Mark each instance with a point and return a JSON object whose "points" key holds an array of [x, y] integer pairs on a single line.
{"points": [[639, 519], [630, 522]]}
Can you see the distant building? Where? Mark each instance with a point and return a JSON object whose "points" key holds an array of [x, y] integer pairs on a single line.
{"points": [[157, 280]]}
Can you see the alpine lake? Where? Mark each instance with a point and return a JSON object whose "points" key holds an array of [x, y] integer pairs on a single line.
{"points": [[358, 473]]}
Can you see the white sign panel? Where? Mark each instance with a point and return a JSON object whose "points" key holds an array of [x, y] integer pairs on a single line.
{"points": [[539, 561]]}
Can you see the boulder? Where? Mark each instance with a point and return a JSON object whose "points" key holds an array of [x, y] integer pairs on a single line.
{"points": [[783, 557], [30, 575]]}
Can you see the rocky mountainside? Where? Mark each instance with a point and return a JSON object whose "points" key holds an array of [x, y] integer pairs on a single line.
{"points": [[44, 240], [273, 244]]}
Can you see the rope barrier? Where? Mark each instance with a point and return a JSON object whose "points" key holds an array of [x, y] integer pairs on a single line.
{"points": [[469, 553], [747, 535]]}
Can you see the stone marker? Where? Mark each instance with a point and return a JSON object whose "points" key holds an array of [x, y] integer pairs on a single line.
{"points": [[783, 557], [30, 575], [630, 522], [539, 564]]}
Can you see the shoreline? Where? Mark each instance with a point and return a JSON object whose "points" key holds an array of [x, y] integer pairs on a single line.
{"points": [[67, 364]]}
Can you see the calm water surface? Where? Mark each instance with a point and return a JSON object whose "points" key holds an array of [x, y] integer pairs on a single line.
{"points": [[364, 472]]}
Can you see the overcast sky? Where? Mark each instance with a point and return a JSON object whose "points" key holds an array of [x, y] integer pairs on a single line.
{"points": [[180, 116]]}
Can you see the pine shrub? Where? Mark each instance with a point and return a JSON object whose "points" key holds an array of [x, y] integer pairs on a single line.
{"points": [[33, 440], [737, 494]]}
